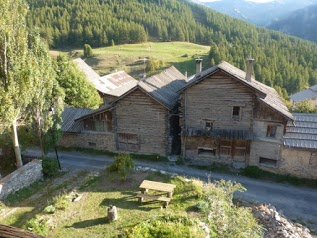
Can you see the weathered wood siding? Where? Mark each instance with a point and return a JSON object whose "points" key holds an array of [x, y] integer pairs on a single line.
{"points": [[144, 123], [213, 99], [224, 151]]}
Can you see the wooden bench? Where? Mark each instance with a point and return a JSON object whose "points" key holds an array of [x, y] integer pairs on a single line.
{"points": [[142, 196]]}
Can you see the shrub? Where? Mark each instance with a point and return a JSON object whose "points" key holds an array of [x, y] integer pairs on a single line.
{"points": [[168, 226], [37, 225], [50, 167], [50, 209], [193, 187], [202, 206], [226, 219], [123, 165], [60, 202]]}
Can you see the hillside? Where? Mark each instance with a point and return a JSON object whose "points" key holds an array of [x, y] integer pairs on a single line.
{"points": [[281, 61], [301, 23], [130, 57], [257, 13]]}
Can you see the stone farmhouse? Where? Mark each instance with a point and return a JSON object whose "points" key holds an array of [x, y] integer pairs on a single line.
{"points": [[219, 115], [144, 119]]}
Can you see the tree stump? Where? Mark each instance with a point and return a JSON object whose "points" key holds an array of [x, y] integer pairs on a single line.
{"points": [[112, 213]]}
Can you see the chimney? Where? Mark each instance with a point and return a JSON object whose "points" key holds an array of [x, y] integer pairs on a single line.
{"points": [[199, 65], [248, 75]]}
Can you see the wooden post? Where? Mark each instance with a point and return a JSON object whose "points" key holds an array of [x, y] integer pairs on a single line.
{"points": [[112, 213]]}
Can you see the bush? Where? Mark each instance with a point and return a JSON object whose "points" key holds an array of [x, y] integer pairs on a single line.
{"points": [[193, 187], [37, 225], [168, 226], [50, 167], [123, 165], [202, 206], [60, 202], [224, 217]]}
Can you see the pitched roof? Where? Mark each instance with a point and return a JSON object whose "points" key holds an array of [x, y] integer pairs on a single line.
{"points": [[266, 94], [302, 134], [114, 84], [92, 76], [164, 87], [118, 79], [306, 94], [69, 116]]}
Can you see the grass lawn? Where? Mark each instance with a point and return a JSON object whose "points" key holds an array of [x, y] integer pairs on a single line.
{"points": [[129, 57], [87, 217]]}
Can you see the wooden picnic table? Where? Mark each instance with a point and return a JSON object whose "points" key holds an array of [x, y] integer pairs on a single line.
{"points": [[157, 186], [147, 185]]}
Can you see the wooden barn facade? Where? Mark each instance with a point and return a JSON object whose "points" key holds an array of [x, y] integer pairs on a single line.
{"points": [[144, 119], [228, 117]]}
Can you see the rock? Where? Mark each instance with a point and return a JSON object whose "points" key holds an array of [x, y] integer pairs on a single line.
{"points": [[77, 198], [276, 225], [112, 213]]}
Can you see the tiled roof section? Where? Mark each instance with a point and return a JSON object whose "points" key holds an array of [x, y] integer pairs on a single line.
{"points": [[93, 77], [118, 79], [309, 93], [266, 94], [69, 115], [222, 133], [302, 133], [164, 87]]}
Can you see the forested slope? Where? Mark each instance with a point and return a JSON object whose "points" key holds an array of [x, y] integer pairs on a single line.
{"points": [[281, 61]]}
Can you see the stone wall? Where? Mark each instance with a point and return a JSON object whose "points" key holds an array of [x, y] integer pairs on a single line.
{"points": [[94, 140], [300, 163], [21, 178]]}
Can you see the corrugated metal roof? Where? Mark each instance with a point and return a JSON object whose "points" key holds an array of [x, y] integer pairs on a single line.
{"points": [[302, 133], [267, 94], [115, 84], [118, 79], [69, 116], [222, 133], [306, 94]]}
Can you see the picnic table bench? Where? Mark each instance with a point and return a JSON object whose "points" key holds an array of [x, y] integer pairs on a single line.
{"points": [[148, 185]]}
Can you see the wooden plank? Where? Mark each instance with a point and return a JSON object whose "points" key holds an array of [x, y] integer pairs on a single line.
{"points": [[153, 197], [158, 186], [13, 232]]}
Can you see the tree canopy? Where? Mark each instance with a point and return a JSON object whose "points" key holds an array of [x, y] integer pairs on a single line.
{"points": [[78, 91], [281, 61]]}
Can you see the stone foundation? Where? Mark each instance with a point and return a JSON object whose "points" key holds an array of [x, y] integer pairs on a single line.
{"points": [[21, 178], [98, 141]]}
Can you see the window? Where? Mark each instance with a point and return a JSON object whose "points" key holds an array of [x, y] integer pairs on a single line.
{"points": [[268, 162], [236, 113], [271, 131], [208, 125], [92, 144], [206, 151]]}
